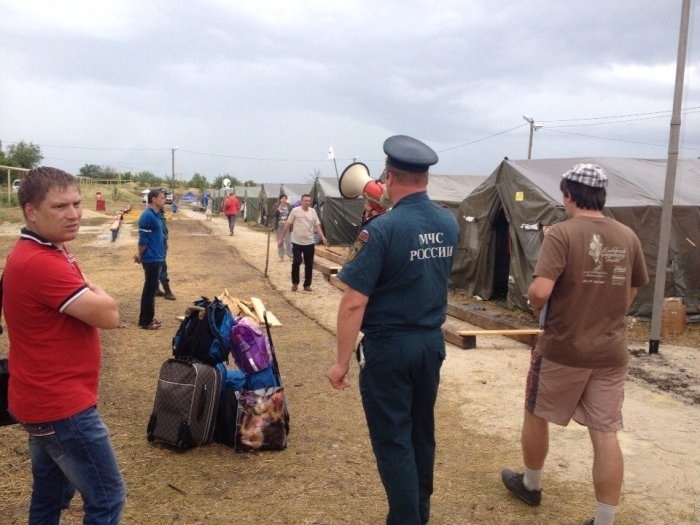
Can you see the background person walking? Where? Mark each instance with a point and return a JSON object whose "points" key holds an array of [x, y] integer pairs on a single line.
{"points": [[281, 214], [231, 208], [303, 222]]}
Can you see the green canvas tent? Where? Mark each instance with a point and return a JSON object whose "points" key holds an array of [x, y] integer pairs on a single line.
{"points": [[450, 190], [252, 204], [295, 191], [500, 225], [340, 217], [269, 196]]}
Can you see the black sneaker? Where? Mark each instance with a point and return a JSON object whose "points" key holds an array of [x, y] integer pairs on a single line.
{"points": [[514, 483], [589, 522]]}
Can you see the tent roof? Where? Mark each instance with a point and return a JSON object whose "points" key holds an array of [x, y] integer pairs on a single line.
{"points": [[633, 182], [452, 188], [295, 191], [271, 190], [253, 191], [329, 187]]}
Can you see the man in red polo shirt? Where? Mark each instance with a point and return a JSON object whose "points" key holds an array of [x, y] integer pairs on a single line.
{"points": [[52, 314]]}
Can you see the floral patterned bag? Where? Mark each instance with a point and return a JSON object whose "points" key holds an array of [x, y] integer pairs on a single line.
{"points": [[262, 420]]}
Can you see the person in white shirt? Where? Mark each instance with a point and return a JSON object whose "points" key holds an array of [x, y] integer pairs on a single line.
{"points": [[303, 221]]}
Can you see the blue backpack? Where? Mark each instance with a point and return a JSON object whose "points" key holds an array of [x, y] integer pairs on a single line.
{"points": [[203, 333]]}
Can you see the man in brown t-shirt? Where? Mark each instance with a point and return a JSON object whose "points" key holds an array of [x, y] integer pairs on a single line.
{"points": [[588, 273]]}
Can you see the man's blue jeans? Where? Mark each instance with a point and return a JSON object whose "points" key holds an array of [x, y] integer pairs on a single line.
{"points": [[70, 454]]}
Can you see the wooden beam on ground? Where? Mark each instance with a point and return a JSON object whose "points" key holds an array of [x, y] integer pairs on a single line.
{"points": [[473, 314], [470, 335], [333, 279], [326, 267], [506, 332], [450, 332], [332, 254]]}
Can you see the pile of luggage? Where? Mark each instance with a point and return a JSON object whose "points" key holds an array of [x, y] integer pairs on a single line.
{"points": [[200, 399]]}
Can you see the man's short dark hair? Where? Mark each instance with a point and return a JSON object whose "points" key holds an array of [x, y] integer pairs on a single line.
{"points": [[585, 197], [406, 177], [38, 181], [154, 193]]}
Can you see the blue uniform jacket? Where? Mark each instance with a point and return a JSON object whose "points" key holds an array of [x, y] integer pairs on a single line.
{"points": [[402, 261]]}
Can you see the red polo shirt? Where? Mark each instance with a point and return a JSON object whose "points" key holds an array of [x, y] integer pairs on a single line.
{"points": [[54, 358]]}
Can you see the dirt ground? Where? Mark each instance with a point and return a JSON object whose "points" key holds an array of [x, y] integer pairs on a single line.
{"points": [[327, 475]]}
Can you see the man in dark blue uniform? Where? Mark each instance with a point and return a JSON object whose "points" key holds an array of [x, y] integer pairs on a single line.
{"points": [[397, 277]]}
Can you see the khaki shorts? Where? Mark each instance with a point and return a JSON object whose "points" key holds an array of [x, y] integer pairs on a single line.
{"points": [[590, 396]]}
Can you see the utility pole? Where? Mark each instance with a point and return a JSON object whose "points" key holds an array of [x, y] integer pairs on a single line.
{"points": [[533, 127], [172, 157], [670, 186]]}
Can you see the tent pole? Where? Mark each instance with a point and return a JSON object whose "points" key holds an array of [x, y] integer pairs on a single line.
{"points": [[670, 186]]}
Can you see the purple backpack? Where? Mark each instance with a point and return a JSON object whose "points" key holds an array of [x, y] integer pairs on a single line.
{"points": [[249, 346]]}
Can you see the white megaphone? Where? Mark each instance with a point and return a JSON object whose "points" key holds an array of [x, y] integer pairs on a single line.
{"points": [[355, 181]]}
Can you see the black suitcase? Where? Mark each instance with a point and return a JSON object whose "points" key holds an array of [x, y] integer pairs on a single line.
{"points": [[186, 404]]}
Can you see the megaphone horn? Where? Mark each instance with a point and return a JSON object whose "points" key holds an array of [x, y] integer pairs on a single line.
{"points": [[353, 180]]}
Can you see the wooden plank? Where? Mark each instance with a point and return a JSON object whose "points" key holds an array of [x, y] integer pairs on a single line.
{"points": [[331, 255], [333, 279], [473, 314], [505, 332], [229, 301], [325, 267], [450, 332], [259, 308], [247, 311]]}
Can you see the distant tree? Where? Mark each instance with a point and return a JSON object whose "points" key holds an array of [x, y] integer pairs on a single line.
{"points": [[250, 183], [198, 181], [234, 180], [148, 179], [92, 171], [109, 173], [218, 182], [24, 155]]}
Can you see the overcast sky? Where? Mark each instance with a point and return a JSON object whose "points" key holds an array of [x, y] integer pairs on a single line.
{"points": [[261, 89]]}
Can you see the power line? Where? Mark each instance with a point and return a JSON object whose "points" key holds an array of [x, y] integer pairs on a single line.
{"points": [[610, 138], [483, 138], [659, 113]]}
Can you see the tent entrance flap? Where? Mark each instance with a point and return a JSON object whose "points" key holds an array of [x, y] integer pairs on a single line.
{"points": [[501, 265]]}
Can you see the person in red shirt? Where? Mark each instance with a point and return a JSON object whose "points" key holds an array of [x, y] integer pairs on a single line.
{"points": [[52, 313], [231, 208]]}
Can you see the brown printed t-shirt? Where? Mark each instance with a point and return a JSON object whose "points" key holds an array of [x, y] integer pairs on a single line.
{"points": [[594, 261]]}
